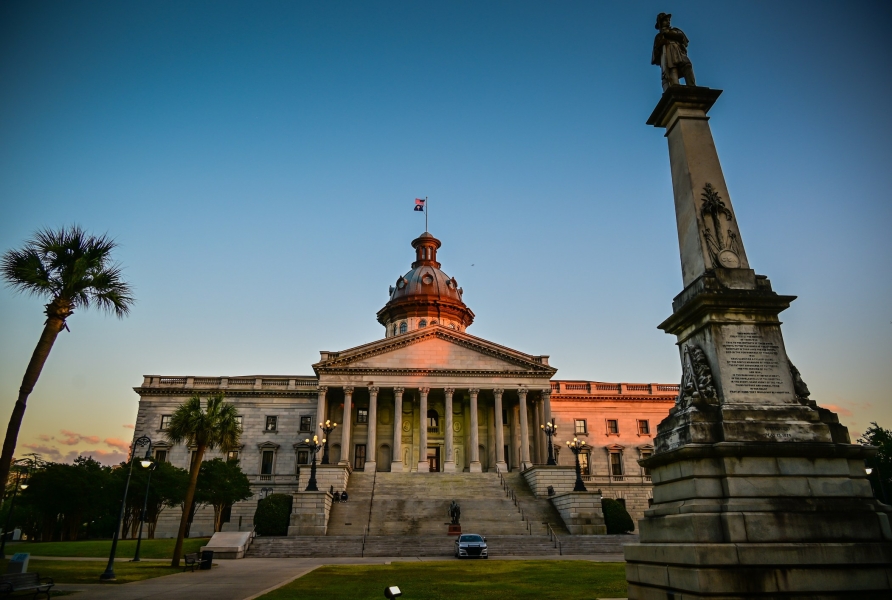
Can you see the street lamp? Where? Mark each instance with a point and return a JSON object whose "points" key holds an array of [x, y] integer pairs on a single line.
{"points": [[550, 429], [315, 446], [576, 447], [151, 465], [265, 492], [327, 428], [15, 490], [109, 573]]}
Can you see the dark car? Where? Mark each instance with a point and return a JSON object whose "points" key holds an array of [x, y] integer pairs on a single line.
{"points": [[470, 545]]}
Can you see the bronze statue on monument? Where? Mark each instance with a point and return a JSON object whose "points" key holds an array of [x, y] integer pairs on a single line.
{"points": [[671, 53]]}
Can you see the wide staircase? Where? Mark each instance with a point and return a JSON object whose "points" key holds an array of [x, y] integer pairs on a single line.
{"points": [[406, 514]]}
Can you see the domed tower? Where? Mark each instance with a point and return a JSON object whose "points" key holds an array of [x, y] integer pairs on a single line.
{"points": [[425, 295]]}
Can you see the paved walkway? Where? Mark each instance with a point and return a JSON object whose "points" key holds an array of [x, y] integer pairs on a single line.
{"points": [[250, 578]]}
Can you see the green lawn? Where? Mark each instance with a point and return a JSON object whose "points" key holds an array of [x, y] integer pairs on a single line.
{"points": [[500, 579], [101, 548], [88, 571]]}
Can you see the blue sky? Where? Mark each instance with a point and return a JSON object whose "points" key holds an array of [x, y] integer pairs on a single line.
{"points": [[258, 162]]}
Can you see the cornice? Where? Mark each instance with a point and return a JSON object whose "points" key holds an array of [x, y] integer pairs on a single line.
{"points": [[152, 391], [591, 398], [431, 372]]}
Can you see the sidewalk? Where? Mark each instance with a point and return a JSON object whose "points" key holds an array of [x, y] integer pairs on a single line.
{"points": [[250, 578]]}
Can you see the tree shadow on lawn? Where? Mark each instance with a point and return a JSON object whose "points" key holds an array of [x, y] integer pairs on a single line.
{"points": [[520, 580]]}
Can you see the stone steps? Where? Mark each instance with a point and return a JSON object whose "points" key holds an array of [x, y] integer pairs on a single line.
{"points": [[305, 546], [595, 544], [351, 517]]}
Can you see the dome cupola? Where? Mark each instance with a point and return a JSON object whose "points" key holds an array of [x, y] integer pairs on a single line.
{"points": [[425, 295]]}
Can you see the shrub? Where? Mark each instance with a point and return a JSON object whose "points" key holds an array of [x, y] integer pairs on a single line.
{"points": [[615, 517], [273, 515]]}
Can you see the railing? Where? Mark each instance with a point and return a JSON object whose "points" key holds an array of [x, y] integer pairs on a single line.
{"points": [[552, 535], [607, 479], [172, 380], [266, 478], [277, 383], [592, 387], [368, 522], [433, 430], [509, 492]]}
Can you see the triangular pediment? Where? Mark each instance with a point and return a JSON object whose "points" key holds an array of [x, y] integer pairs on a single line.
{"points": [[434, 349]]}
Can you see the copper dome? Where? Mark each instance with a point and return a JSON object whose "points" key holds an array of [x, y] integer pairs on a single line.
{"points": [[425, 295]]}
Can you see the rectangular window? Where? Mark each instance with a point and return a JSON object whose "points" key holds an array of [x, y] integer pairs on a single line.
{"points": [[160, 456], [272, 423], [583, 463], [612, 426], [646, 455], [362, 415], [359, 457], [303, 457], [232, 455], [306, 423], [238, 421], [643, 427], [165, 422], [579, 426], [616, 464], [266, 464]]}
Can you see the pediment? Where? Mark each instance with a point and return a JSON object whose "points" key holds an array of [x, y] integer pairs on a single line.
{"points": [[437, 349]]}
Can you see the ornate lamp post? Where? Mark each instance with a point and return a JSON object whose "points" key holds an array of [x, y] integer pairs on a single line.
{"points": [[315, 446], [576, 447], [550, 430], [109, 573], [151, 466], [327, 428], [15, 490]]}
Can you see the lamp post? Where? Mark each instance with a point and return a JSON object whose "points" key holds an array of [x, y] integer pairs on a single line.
{"points": [[550, 429], [12, 503], [315, 446], [327, 428], [265, 492], [151, 466], [576, 447], [109, 573]]}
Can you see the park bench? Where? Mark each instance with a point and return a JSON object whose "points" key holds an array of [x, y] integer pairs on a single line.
{"points": [[23, 582], [191, 561]]}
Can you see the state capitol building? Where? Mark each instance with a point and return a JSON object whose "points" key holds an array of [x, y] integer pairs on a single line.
{"points": [[426, 398]]}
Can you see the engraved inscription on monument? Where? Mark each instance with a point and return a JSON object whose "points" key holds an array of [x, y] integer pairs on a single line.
{"points": [[752, 362]]}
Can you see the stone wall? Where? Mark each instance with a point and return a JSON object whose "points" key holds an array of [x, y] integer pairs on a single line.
{"points": [[309, 513], [581, 512], [539, 477]]}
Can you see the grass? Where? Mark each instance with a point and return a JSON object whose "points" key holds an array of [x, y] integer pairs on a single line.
{"points": [[518, 580], [88, 571], [101, 548]]}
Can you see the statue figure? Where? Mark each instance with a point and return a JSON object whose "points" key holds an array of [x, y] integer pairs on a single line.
{"points": [[799, 386], [671, 53], [454, 512]]}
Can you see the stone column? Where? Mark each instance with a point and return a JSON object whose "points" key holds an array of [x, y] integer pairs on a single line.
{"points": [[423, 465], [320, 405], [525, 462], [537, 432], [371, 463], [396, 464], [449, 463], [501, 465], [345, 432], [546, 410], [474, 466]]}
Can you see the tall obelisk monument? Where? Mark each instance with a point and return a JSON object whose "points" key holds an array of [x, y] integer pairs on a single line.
{"points": [[758, 492]]}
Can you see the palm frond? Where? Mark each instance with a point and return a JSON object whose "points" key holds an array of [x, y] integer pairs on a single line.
{"points": [[214, 426]]}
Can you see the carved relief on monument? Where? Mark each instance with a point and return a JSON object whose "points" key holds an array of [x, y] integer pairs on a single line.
{"points": [[697, 386], [721, 239]]}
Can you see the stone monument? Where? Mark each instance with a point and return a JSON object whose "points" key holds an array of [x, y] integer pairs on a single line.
{"points": [[758, 491]]}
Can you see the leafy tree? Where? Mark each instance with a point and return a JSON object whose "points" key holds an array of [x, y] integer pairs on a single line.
{"points": [[71, 269], [273, 514], [881, 464], [167, 489], [615, 517], [221, 484], [213, 426]]}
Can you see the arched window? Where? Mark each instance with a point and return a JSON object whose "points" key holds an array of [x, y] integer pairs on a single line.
{"points": [[422, 323], [403, 327], [433, 421]]}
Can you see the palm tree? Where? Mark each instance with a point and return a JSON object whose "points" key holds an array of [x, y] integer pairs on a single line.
{"points": [[71, 269], [215, 426]]}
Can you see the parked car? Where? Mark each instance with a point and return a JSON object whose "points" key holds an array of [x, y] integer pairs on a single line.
{"points": [[470, 545]]}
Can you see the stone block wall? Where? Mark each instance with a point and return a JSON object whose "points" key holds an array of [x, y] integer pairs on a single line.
{"points": [[539, 477], [309, 513], [581, 512], [327, 476]]}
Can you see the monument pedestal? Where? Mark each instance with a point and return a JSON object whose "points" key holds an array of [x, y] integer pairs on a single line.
{"points": [[758, 492], [454, 530]]}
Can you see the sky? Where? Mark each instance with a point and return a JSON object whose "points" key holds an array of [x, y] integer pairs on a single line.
{"points": [[257, 163]]}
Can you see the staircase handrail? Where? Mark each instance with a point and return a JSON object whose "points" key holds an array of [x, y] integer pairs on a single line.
{"points": [[368, 522], [553, 535]]}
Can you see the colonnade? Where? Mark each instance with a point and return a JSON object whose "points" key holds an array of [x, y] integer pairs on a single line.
{"points": [[541, 413]]}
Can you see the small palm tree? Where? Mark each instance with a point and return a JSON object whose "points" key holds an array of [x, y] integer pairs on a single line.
{"points": [[215, 426], [71, 269]]}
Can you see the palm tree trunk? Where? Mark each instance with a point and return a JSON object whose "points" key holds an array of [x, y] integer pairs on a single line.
{"points": [[190, 495], [47, 338]]}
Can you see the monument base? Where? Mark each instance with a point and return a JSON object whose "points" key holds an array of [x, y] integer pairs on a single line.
{"points": [[454, 530], [309, 513], [581, 512]]}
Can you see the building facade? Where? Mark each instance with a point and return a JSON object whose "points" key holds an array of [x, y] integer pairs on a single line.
{"points": [[428, 397]]}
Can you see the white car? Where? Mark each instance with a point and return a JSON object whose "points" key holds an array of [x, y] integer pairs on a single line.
{"points": [[470, 545]]}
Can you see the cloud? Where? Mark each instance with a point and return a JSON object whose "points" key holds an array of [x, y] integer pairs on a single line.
{"points": [[47, 451], [118, 443], [44, 437], [128, 426], [72, 438], [839, 410]]}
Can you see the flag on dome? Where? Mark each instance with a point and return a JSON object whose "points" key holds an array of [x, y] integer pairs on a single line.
{"points": [[419, 204]]}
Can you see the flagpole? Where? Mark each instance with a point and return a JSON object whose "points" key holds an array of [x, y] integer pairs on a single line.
{"points": [[426, 209]]}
